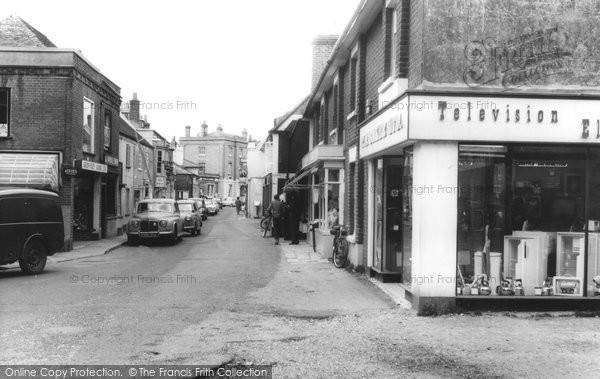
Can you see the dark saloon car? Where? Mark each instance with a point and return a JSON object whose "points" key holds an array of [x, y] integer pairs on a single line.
{"points": [[192, 219], [31, 227], [155, 219], [201, 207]]}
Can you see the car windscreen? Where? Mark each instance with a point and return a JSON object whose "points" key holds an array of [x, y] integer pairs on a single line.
{"points": [[186, 207], [155, 207]]}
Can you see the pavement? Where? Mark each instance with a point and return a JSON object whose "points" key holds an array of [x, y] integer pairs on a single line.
{"points": [[303, 253], [82, 249]]}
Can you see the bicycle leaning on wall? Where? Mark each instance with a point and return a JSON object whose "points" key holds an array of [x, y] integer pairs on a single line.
{"points": [[340, 245]]}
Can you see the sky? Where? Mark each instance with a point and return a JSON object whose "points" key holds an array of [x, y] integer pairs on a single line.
{"points": [[238, 63]]}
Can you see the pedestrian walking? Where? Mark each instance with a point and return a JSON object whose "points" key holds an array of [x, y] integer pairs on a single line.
{"points": [[238, 205], [276, 210]]}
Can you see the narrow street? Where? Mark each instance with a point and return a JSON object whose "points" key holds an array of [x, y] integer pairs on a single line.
{"points": [[240, 298]]}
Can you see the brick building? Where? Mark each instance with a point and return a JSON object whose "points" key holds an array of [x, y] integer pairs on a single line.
{"points": [[456, 139], [59, 128], [219, 159], [158, 163]]}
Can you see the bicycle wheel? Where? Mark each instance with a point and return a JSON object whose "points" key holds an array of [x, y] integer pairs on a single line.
{"points": [[340, 253]]}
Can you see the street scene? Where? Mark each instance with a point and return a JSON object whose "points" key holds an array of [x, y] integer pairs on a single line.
{"points": [[325, 189]]}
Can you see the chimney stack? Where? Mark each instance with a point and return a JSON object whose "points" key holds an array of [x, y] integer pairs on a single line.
{"points": [[245, 134], [322, 46], [204, 129], [134, 108], [187, 130], [220, 129]]}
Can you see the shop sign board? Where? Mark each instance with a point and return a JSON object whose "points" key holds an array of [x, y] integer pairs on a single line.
{"points": [[385, 130], [111, 161], [69, 170], [91, 166], [504, 119], [161, 182]]}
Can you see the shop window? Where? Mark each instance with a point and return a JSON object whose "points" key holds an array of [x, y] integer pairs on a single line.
{"points": [[593, 225], [107, 130], [88, 126], [4, 112], [522, 218]]}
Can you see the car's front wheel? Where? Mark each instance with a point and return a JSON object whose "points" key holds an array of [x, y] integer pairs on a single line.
{"points": [[174, 236], [35, 258]]}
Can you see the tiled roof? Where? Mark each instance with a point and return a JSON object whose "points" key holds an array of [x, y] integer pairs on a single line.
{"points": [[298, 109], [127, 129], [15, 32]]}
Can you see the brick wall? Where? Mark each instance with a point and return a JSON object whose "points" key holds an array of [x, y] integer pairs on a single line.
{"points": [[403, 20], [415, 50], [374, 62]]}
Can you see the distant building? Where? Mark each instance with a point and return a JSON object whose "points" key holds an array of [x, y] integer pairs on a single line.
{"points": [[136, 179], [161, 165], [59, 120], [219, 159]]}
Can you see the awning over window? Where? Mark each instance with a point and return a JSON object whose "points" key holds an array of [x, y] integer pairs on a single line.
{"points": [[31, 170]]}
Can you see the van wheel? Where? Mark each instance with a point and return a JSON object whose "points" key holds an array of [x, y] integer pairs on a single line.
{"points": [[35, 251]]}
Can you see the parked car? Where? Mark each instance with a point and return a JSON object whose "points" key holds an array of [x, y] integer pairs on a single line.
{"points": [[229, 202], [155, 219], [192, 219], [219, 202], [31, 227], [213, 207], [201, 204]]}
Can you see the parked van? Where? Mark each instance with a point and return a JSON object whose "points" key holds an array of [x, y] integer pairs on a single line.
{"points": [[31, 227]]}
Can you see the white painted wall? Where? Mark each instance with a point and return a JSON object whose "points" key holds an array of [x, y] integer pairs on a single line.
{"points": [[434, 219]]}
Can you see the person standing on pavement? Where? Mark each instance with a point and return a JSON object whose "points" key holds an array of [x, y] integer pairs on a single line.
{"points": [[276, 210], [238, 205]]}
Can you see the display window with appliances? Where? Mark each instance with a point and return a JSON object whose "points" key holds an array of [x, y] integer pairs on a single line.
{"points": [[527, 220], [392, 218]]}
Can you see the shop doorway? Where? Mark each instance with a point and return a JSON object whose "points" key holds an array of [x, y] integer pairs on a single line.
{"points": [[389, 220], [83, 208]]}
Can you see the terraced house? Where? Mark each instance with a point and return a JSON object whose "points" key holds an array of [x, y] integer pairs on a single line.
{"points": [[459, 141]]}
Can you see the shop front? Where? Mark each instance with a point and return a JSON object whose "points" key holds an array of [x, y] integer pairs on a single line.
{"points": [[489, 200], [87, 199]]}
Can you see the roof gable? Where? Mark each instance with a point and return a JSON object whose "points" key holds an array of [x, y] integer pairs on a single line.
{"points": [[15, 32]]}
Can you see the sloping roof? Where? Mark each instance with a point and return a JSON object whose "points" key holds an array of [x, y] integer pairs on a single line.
{"points": [[127, 129], [298, 109], [15, 32], [179, 170]]}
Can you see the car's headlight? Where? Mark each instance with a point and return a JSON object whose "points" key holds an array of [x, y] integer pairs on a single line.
{"points": [[187, 218], [163, 223], [134, 223]]}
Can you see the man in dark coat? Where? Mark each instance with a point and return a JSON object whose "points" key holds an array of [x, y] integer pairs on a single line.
{"points": [[276, 210], [238, 205]]}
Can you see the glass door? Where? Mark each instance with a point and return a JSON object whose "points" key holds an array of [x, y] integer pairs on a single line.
{"points": [[393, 215]]}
